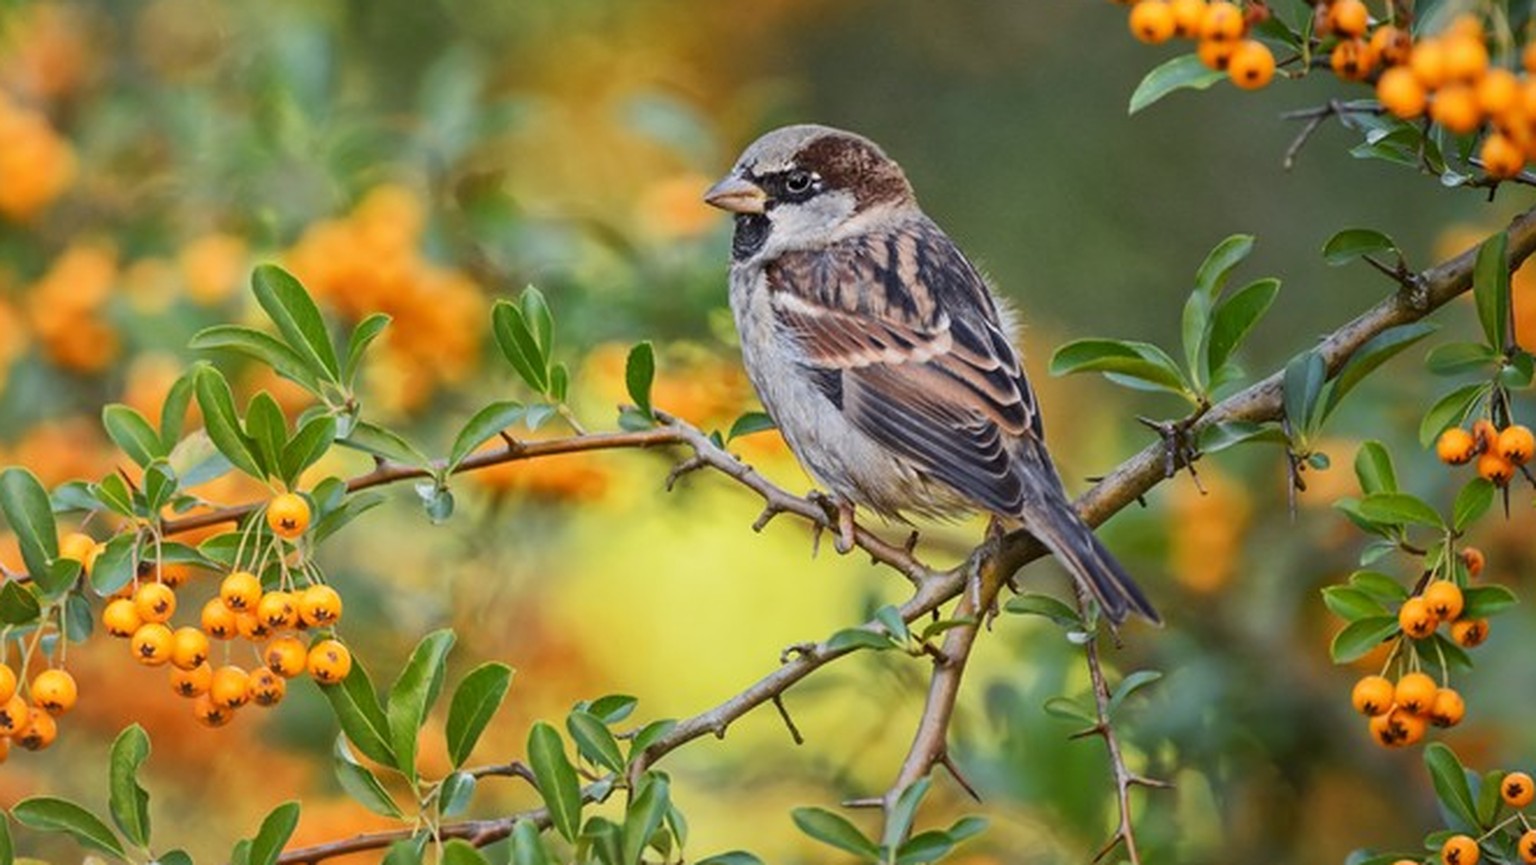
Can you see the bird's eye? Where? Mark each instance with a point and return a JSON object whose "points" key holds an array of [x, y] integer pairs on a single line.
{"points": [[799, 182]]}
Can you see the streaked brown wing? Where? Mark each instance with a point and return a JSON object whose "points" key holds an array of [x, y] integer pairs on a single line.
{"points": [[900, 333]]}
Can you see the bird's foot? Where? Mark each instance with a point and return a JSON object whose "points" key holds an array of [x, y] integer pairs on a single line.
{"points": [[839, 513]]}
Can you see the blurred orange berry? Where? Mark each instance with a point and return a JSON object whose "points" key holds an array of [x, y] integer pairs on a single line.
{"points": [[1223, 22], [1469, 633], [1459, 850], [230, 687], [240, 591], [1455, 446], [1473, 559], [1372, 695], [1444, 600], [1415, 693], [1527, 847], [1152, 21], [1216, 53], [1516, 443], [1448, 708], [1401, 93], [1352, 60], [189, 648], [1398, 728], [7, 683], [211, 714], [266, 688], [1495, 469], [1455, 108], [1502, 158], [213, 267], [40, 731], [1391, 45], [121, 618], [1517, 790], [1187, 17], [1427, 60], [54, 691], [277, 610], [1417, 620], [1466, 58], [1349, 17], [14, 713], [193, 682], [1252, 65], [219, 621], [1498, 91], [36, 164], [156, 602]]}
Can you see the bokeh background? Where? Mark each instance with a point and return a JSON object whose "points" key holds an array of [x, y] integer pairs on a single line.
{"points": [[424, 158]]}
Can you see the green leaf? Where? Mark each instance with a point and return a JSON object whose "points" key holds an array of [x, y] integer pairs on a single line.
{"points": [[527, 847], [834, 830], [1034, 604], [18, 604], [410, 851], [362, 719], [361, 784], [487, 423], [1490, 288], [474, 703], [1377, 350], [1220, 436], [556, 779], [384, 443], [639, 373], [1183, 72], [1235, 317], [7, 849], [306, 447], [594, 740], [1220, 263], [898, 821], [1450, 781], [612, 708], [263, 347], [174, 411], [644, 815], [649, 735], [749, 423], [890, 618], [536, 314], [60, 576], [849, 639], [1351, 604], [274, 833], [1380, 586], [1480, 602], [1353, 243], [1488, 798], [223, 424], [50, 814], [196, 460], [297, 318], [1399, 509], [265, 424], [1136, 360], [1373, 468], [1303, 384], [114, 494], [1471, 503], [1360, 637], [362, 336], [1068, 709], [413, 694], [115, 564], [354, 506], [1454, 358], [128, 802], [1450, 410], [1194, 331], [132, 434], [732, 857], [1130, 685], [460, 852], [925, 847], [29, 512], [454, 793], [518, 345]]}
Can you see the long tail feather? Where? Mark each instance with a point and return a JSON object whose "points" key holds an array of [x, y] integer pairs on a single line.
{"points": [[1074, 545]]}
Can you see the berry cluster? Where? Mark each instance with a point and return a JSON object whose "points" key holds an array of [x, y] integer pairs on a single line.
{"points": [[1499, 452], [1400, 712], [1516, 790], [269, 618], [1221, 30], [27, 712]]}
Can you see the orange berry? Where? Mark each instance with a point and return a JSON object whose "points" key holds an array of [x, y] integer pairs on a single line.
{"points": [[39, 732], [219, 621], [286, 656], [1444, 600], [1252, 65], [252, 627], [1528, 57], [1401, 93], [329, 662], [1455, 108], [1391, 45], [1469, 633], [240, 590], [1517, 790], [1372, 695], [1486, 433], [1466, 58], [1473, 559], [266, 688], [13, 715], [78, 546], [1455, 446], [1465, 26], [189, 648], [1352, 60], [1397, 728], [1417, 619], [1498, 92], [1223, 22], [1215, 53], [211, 714], [1448, 708], [194, 682], [277, 610], [319, 605], [1427, 60], [1502, 159], [7, 683], [152, 644], [1495, 469], [1527, 843], [1459, 850], [1516, 442], [1152, 21], [288, 514], [230, 687], [175, 575], [1415, 693], [54, 691], [1349, 17], [155, 602], [1187, 15]]}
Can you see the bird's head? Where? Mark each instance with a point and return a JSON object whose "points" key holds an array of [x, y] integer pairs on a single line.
{"points": [[801, 187]]}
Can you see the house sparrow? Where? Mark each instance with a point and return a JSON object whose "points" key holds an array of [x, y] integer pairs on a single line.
{"points": [[882, 355]]}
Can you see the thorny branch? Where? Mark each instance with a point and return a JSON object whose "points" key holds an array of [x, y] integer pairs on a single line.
{"points": [[993, 563]]}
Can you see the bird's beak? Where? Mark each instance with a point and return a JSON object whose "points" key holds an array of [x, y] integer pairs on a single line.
{"points": [[737, 195]]}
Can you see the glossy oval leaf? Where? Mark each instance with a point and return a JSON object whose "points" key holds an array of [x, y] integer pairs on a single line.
{"points": [[1399, 509], [1450, 782], [1185, 72], [487, 423], [52, 814], [519, 346], [297, 318], [1472, 502], [594, 740], [1490, 288], [639, 373], [1353, 243], [474, 703], [128, 802], [1376, 351], [274, 833], [643, 816], [360, 715], [835, 831], [1454, 358], [261, 346], [222, 423], [1373, 469], [1450, 410], [362, 337], [132, 434], [556, 779], [1480, 602], [413, 693], [460, 852], [1137, 360], [1360, 637], [29, 512], [360, 783], [1235, 317]]}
